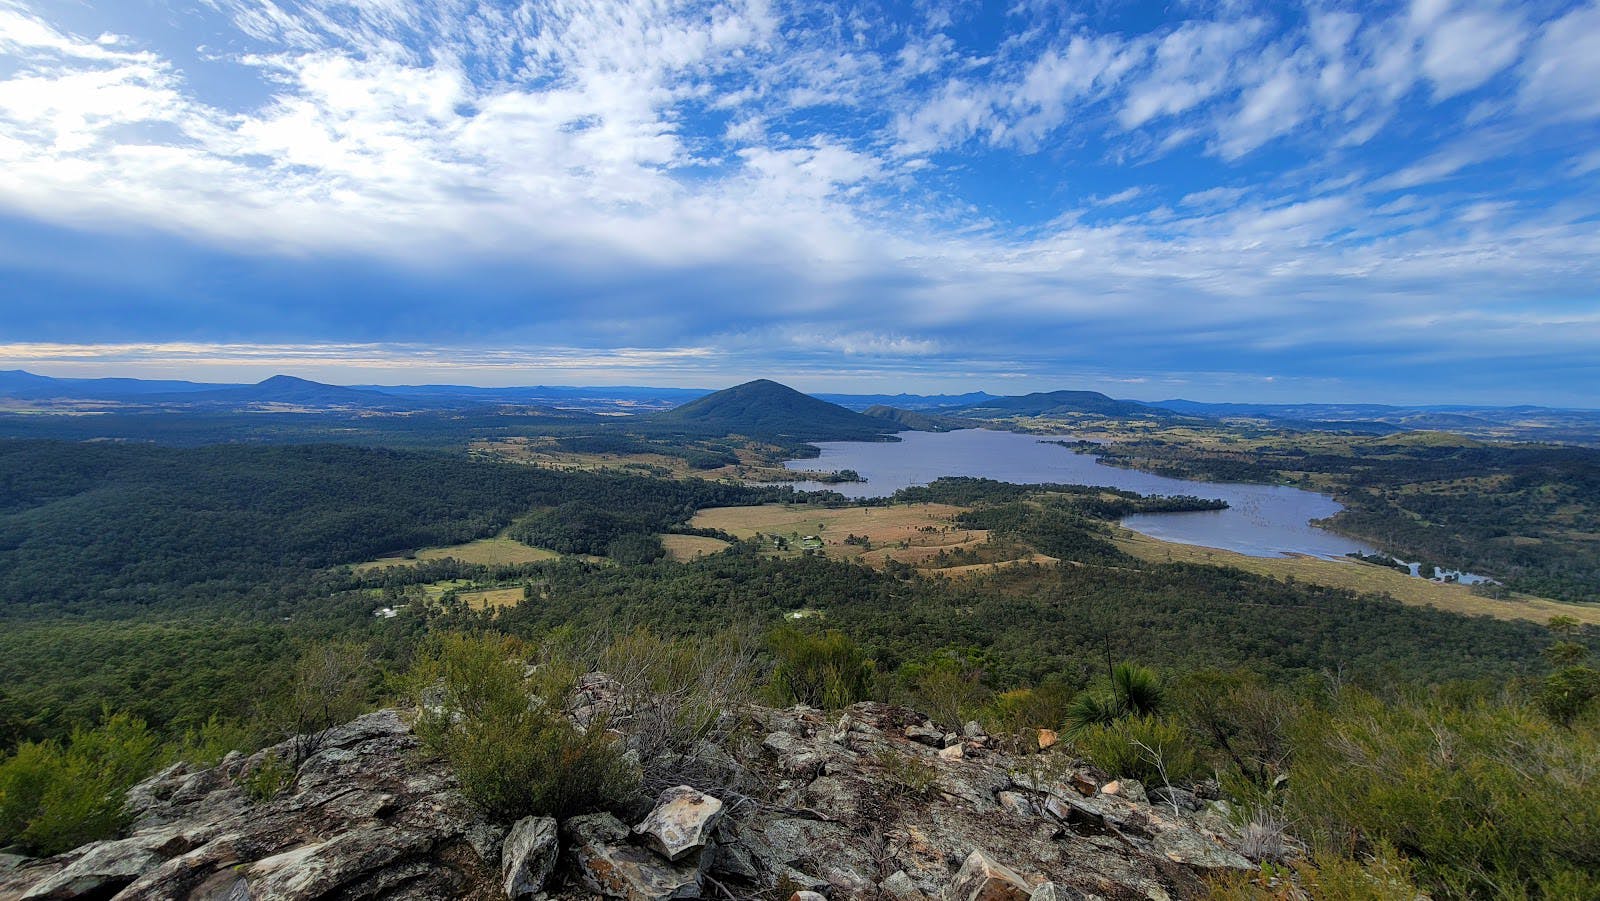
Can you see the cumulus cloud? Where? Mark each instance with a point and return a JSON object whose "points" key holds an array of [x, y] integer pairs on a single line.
{"points": [[900, 187]]}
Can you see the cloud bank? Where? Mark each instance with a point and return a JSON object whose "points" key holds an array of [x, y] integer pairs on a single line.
{"points": [[1333, 194]]}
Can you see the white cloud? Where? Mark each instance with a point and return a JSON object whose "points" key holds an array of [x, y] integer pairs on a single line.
{"points": [[1561, 77]]}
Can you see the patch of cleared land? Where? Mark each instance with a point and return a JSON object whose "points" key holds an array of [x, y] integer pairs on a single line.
{"points": [[485, 598], [1364, 577], [921, 535], [688, 547], [485, 551]]}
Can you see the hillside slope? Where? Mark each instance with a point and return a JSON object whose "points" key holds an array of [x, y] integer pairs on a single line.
{"points": [[766, 408]]}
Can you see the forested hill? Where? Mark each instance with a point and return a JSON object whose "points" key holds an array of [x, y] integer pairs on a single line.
{"points": [[1044, 403], [118, 528], [764, 407]]}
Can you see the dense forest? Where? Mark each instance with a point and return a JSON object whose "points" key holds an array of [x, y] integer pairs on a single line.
{"points": [[111, 528]]}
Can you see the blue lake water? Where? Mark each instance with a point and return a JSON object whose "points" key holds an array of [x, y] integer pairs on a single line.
{"points": [[1261, 520]]}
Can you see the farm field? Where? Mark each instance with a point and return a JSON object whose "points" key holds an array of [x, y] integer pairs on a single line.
{"points": [[487, 598], [1358, 576], [484, 551], [920, 535], [687, 547]]}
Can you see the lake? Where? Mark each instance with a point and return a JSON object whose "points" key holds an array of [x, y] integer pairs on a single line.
{"points": [[1261, 520]]}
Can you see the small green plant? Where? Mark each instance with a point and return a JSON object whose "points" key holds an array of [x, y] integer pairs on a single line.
{"points": [[56, 796], [1130, 690], [511, 747], [1145, 748], [268, 779], [825, 670], [908, 775]]}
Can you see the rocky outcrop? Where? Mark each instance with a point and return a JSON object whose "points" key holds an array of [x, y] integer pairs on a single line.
{"points": [[366, 817], [873, 802]]}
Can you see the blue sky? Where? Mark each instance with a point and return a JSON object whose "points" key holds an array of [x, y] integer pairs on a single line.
{"points": [[1226, 201]]}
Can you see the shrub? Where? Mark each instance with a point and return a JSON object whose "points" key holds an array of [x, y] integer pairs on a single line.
{"points": [[825, 670], [1485, 795], [54, 797], [1145, 748], [907, 775], [1382, 876], [1131, 690], [513, 750], [267, 779]]}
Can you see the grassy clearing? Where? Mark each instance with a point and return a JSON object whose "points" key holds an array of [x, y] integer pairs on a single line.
{"points": [[688, 547], [485, 551], [1359, 576], [921, 535], [485, 598]]}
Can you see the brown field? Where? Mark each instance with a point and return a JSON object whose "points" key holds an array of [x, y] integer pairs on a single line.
{"points": [[485, 598], [914, 534], [688, 547], [1363, 577], [485, 551]]}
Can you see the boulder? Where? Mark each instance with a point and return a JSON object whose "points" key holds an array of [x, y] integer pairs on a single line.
{"points": [[807, 896], [680, 825], [529, 856], [925, 735], [973, 730], [954, 752], [606, 864], [1048, 739], [102, 871], [982, 878]]}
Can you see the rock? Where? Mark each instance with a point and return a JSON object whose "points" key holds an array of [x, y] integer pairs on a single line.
{"points": [[925, 735], [780, 743], [602, 859], [365, 810], [9, 862], [982, 878], [681, 823], [102, 870], [901, 887], [973, 730], [529, 856], [1185, 801], [954, 752], [1049, 892], [1048, 739], [1131, 789], [1017, 803], [1189, 847], [950, 738], [807, 896]]}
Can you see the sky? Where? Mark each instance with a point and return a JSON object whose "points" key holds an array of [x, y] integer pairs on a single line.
{"points": [[1220, 201]]}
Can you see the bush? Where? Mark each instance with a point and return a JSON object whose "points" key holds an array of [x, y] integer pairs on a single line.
{"points": [[1485, 795], [1145, 748], [1131, 690], [512, 749], [1382, 876], [827, 670], [55, 797]]}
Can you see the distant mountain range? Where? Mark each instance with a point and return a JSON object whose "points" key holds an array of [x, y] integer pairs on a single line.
{"points": [[776, 409]]}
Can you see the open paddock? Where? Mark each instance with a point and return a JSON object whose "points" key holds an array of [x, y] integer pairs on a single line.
{"points": [[922, 535], [484, 551], [1363, 577]]}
